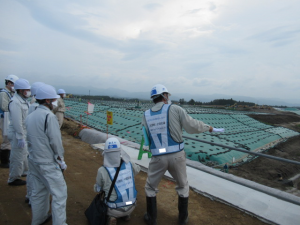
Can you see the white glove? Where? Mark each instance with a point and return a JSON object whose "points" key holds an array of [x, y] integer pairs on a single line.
{"points": [[62, 164], [21, 143], [97, 188], [218, 130]]}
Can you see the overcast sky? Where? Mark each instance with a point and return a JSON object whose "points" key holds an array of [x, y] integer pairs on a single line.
{"points": [[232, 47]]}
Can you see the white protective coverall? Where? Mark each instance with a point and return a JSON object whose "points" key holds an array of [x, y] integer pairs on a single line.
{"points": [[18, 109], [175, 163], [45, 146], [32, 107], [4, 100], [103, 182], [59, 111]]}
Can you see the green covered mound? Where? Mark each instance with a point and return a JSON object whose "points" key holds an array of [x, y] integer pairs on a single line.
{"points": [[241, 131]]}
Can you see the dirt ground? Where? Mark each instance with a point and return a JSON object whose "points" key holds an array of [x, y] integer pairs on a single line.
{"points": [[83, 163], [267, 171]]}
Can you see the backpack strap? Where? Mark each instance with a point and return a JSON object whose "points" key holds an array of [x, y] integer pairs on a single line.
{"points": [[114, 181]]}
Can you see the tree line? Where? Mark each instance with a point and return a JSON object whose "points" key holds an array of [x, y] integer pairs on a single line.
{"points": [[223, 102]]}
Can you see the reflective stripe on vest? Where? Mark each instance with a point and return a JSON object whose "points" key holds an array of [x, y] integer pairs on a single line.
{"points": [[161, 141], [124, 186]]}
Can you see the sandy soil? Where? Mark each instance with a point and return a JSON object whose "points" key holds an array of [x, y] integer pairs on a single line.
{"points": [[83, 163]]}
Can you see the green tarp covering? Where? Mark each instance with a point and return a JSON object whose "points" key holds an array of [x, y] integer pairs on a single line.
{"points": [[241, 131]]}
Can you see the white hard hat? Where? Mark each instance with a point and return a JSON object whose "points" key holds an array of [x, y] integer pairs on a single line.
{"points": [[35, 86], [12, 78], [61, 91], [22, 84], [46, 92], [112, 143], [158, 90]]}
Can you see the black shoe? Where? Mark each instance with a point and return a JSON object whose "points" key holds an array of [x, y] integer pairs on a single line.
{"points": [[26, 200], [4, 157], [151, 214], [4, 165], [17, 182], [48, 219], [183, 210]]}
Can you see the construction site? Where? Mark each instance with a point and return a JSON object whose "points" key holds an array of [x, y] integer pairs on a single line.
{"points": [[254, 190]]}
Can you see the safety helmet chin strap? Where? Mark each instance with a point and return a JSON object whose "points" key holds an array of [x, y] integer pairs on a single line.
{"points": [[164, 96]]}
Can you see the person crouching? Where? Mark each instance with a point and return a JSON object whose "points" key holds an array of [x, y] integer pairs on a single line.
{"points": [[122, 201]]}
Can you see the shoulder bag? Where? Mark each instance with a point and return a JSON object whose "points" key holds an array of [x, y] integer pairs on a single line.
{"points": [[96, 213]]}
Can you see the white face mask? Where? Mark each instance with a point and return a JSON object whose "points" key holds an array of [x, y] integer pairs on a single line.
{"points": [[13, 89], [169, 102], [28, 94], [54, 103]]}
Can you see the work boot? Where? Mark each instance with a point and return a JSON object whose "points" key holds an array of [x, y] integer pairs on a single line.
{"points": [[183, 210], [151, 214], [17, 182], [5, 153]]}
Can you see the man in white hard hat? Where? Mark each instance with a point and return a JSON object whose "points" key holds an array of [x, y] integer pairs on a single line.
{"points": [[59, 111], [6, 95], [18, 109], [46, 160], [163, 125], [33, 103], [33, 106], [122, 201]]}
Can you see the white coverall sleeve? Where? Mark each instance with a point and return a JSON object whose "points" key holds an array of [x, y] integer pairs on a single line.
{"points": [[54, 135], [15, 111], [136, 168], [99, 181], [190, 125], [31, 109]]}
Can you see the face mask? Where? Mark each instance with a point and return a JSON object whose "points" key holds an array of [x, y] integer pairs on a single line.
{"points": [[169, 102], [28, 94], [13, 89], [51, 104], [64, 95], [54, 103]]}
